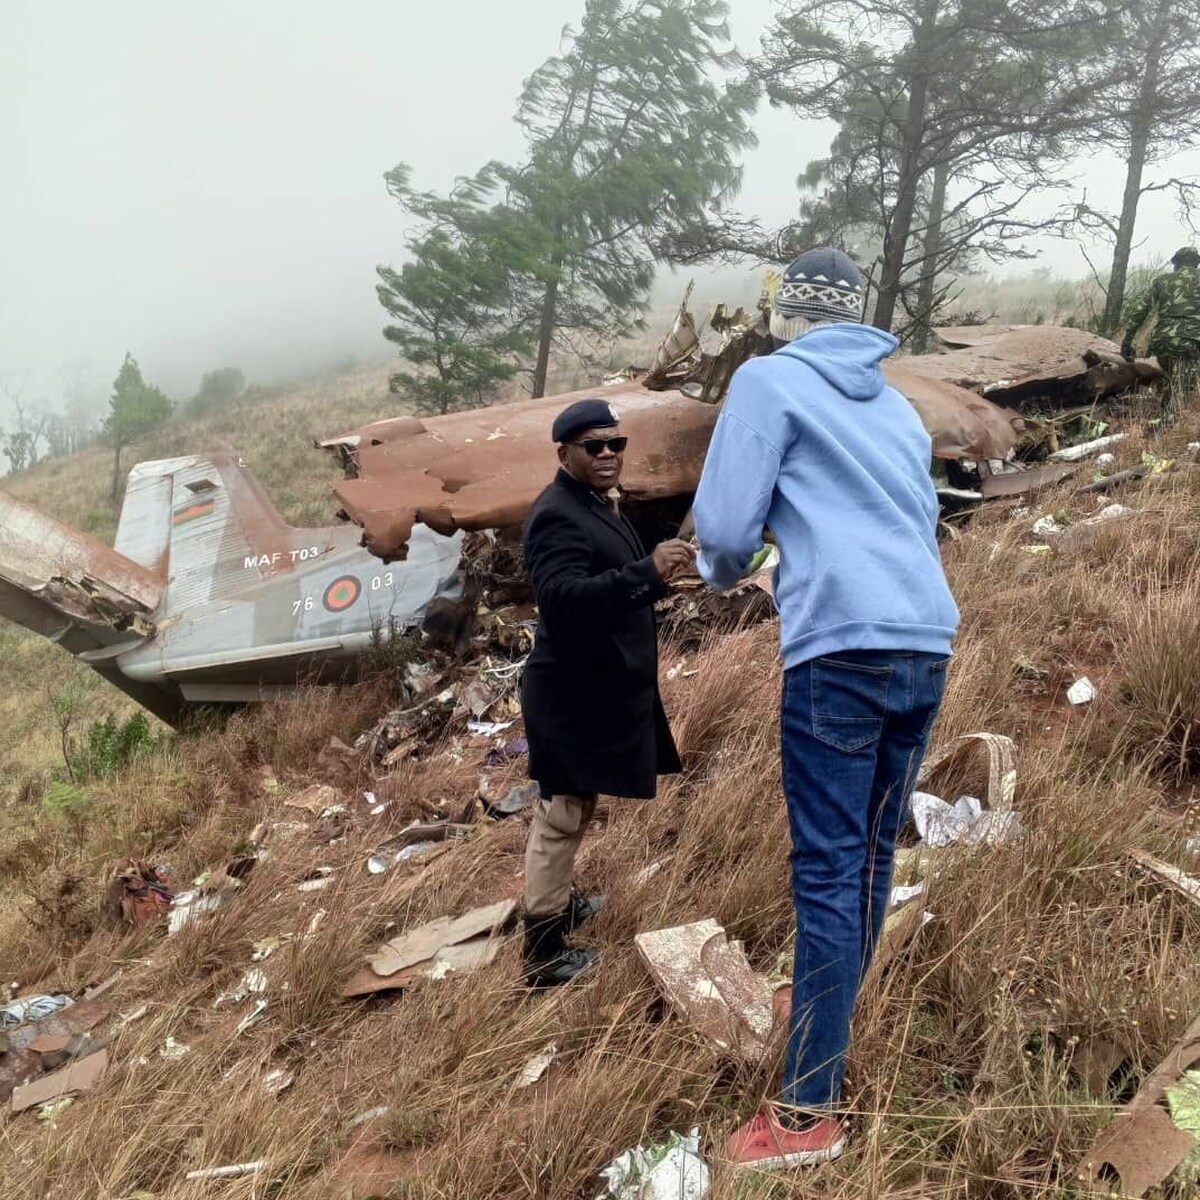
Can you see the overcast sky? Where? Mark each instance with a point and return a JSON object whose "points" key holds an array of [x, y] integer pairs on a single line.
{"points": [[202, 184]]}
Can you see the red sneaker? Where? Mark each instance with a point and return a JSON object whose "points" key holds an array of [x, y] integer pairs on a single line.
{"points": [[764, 1144]]}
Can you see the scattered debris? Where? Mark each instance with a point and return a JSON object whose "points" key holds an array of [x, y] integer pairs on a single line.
{"points": [[489, 728], [670, 1170], [253, 983], [647, 873], [537, 1066], [188, 906], [137, 893], [32, 1008], [265, 947], [1046, 527], [173, 1049], [1082, 691], [58, 1049], [510, 750], [513, 801], [1143, 1144], [1086, 449], [1018, 479], [80, 1076], [209, 891], [371, 1114], [318, 879], [20, 1062], [1001, 785], [380, 862], [53, 1108], [129, 1018], [252, 1018], [232, 1172], [940, 824], [1186, 885], [315, 799], [277, 1081], [708, 981], [434, 949]]}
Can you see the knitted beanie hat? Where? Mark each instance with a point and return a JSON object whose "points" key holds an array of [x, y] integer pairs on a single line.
{"points": [[821, 285]]}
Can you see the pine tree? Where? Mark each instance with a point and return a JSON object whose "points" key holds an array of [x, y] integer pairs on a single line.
{"points": [[136, 408], [633, 137]]}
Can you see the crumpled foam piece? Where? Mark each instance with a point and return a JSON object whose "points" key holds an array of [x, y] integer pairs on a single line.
{"points": [[940, 824], [671, 1170]]}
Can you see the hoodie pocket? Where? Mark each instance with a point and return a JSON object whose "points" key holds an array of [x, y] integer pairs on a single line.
{"points": [[849, 703]]}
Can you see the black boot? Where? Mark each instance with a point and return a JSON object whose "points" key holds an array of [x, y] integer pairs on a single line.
{"points": [[549, 961], [580, 909]]}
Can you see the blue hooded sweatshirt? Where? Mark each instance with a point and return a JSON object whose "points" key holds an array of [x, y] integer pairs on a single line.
{"points": [[812, 443]]}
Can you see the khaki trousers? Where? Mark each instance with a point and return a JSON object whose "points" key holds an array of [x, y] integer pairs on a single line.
{"points": [[554, 838]]}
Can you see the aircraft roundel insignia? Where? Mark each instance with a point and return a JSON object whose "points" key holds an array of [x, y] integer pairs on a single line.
{"points": [[341, 593]]}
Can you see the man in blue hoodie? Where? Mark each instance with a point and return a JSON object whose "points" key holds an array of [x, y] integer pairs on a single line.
{"points": [[815, 447]]}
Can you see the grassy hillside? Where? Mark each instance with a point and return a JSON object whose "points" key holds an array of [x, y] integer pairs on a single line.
{"points": [[968, 1076]]}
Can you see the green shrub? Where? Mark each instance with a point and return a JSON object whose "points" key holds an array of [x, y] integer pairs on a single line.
{"points": [[110, 746], [66, 801]]}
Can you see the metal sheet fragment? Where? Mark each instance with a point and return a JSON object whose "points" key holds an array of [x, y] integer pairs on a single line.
{"points": [[1142, 1146], [450, 473], [709, 983]]}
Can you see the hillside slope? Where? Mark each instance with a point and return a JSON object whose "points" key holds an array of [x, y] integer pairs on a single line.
{"points": [[969, 1071]]}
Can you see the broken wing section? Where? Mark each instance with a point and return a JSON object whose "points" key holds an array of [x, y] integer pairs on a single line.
{"points": [[68, 586], [483, 469]]}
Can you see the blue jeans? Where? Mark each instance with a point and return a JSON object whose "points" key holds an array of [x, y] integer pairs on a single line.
{"points": [[854, 730]]}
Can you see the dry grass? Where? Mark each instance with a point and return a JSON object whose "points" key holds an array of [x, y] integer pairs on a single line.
{"points": [[960, 1077]]}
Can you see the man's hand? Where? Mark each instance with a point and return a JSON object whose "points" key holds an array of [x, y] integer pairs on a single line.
{"points": [[671, 557]]}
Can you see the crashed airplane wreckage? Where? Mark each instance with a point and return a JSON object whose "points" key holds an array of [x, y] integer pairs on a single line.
{"points": [[482, 469], [208, 595]]}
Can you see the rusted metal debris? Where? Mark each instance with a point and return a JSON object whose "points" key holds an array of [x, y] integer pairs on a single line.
{"points": [[1142, 1145], [1023, 482], [483, 469], [1016, 364], [53, 578], [21, 1061]]}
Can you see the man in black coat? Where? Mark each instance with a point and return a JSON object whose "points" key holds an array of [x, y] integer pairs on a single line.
{"points": [[593, 716]]}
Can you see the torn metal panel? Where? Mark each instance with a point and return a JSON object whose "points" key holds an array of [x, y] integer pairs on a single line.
{"points": [[483, 469], [71, 574], [960, 423], [1024, 482], [1180, 881], [21, 1061], [1016, 364], [1142, 1146], [1094, 375], [1001, 752], [423, 943], [989, 354], [81, 1076], [710, 984]]}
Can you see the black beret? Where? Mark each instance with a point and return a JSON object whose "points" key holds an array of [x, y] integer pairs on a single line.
{"points": [[583, 414]]}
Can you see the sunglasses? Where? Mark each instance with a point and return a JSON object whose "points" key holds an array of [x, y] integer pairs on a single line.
{"points": [[596, 446]]}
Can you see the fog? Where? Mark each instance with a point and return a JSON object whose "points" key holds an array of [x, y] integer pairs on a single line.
{"points": [[202, 185]]}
